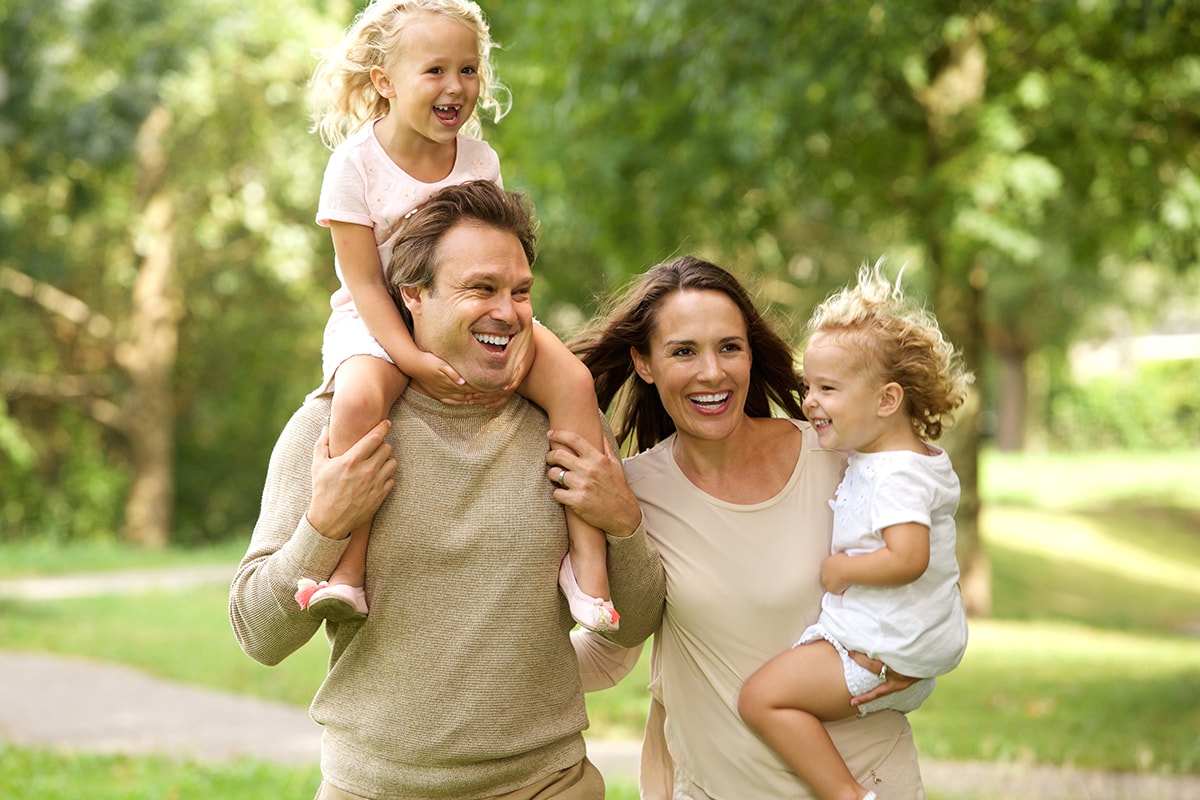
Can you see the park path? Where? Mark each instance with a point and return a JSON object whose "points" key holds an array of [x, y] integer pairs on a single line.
{"points": [[82, 705]]}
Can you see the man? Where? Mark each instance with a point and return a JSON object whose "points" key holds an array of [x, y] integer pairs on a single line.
{"points": [[462, 683]]}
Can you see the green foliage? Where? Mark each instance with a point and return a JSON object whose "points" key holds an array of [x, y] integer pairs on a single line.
{"points": [[76, 489], [787, 142], [1156, 407], [253, 271]]}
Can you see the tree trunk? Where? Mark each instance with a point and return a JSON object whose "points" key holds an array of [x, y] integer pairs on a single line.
{"points": [[1012, 401], [149, 355], [957, 89], [974, 566]]}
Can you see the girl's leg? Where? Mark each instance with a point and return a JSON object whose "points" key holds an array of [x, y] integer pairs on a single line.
{"points": [[786, 701], [562, 386], [366, 389]]}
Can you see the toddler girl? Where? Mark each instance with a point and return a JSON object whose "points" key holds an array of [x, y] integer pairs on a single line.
{"points": [[881, 381]]}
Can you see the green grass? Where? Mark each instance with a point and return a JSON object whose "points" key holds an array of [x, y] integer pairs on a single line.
{"points": [[44, 556], [47, 775], [55, 776], [1091, 657]]}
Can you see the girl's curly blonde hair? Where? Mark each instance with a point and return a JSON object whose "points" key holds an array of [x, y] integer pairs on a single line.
{"points": [[345, 99], [898, 341]]}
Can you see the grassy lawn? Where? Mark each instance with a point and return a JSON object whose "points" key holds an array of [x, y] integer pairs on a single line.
{"points": [[1091, 657]]}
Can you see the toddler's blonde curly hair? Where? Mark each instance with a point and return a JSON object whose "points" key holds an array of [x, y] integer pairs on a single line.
{"points": [[897, 341]]}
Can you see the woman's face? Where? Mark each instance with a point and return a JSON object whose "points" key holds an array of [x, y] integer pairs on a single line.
{"points": [[699, 360]]}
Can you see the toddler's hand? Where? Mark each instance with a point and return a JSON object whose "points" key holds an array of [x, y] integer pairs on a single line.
{"points": [[439, 380], [832, 576]]}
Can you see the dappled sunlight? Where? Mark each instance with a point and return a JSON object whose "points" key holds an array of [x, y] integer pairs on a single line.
{"points": [[1077, 540]]}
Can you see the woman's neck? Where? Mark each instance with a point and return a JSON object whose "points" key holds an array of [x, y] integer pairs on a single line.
{"points": [[751, 465]]}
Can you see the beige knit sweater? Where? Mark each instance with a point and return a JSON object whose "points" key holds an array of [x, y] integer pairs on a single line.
{"points": [[462, 682]]}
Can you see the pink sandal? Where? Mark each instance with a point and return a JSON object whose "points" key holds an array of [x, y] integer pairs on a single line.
{"points": [[590, 612], [335, 602]]}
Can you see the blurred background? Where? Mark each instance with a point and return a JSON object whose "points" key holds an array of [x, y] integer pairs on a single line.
{"points": [[1035, 165], [163, 286]]}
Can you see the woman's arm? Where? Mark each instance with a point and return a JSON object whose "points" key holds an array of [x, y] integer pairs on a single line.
{"points": [[597, 492], [602, 664]]}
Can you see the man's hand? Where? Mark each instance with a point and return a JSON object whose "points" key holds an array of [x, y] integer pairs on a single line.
{"points": [[348, 490]]}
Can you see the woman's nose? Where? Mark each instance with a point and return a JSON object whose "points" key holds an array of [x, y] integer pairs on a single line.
{"points": [[710, 366]]}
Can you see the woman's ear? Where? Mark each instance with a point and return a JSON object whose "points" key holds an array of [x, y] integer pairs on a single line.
{"points": [[891, 399], [640, 365]]}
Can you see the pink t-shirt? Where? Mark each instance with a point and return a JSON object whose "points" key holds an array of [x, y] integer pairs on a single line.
{"points": [[363, 186]]}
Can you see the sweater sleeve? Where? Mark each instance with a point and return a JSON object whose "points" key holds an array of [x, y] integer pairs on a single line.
{"points": [[635, 575], [266, 619]]}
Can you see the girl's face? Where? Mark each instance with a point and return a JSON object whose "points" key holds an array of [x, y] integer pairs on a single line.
{"points": [[699, 360], [432, 83], [842, 397]]}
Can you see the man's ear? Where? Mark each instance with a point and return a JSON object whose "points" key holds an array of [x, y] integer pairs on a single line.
{"points": [[891, 399], [640, 365], [411, 296]]}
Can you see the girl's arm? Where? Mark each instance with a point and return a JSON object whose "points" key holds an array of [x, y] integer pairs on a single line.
{"points": [[903, 558], [359, 258]]}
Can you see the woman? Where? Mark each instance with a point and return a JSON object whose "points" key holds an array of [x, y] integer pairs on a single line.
{"points": [[738, 504]]}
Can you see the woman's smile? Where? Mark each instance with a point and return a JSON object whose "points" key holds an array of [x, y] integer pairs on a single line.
{"points": [[699, 360]]}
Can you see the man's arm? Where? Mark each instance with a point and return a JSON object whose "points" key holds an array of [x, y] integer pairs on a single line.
{"points": [[310, 503]]}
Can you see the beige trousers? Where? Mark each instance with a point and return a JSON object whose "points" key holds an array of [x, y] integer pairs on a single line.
{"points": [[580, 782]]}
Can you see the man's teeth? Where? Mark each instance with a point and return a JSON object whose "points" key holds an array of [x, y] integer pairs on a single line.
{"points": [[487, 338]]}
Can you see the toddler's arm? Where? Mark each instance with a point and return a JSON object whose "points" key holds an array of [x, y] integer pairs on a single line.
{"points": [[560, 383], [903, 558], [359, 258]]}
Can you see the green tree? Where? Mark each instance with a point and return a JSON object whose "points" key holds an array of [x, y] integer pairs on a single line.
{"points": [[158, 192], [1010, 153]]}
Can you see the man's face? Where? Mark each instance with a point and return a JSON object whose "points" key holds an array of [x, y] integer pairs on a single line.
{"points": [[477, 316]]}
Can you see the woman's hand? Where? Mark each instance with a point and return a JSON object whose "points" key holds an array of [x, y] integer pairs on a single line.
{"points": [[348, 490], [592, 484], [893, 681]]}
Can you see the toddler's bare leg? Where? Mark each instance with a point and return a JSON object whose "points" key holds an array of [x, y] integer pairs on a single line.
{"points": [[366, 389], [785, 703]]}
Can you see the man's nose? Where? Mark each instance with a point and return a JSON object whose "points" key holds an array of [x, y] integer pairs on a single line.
{"points": [[503, 308]]}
